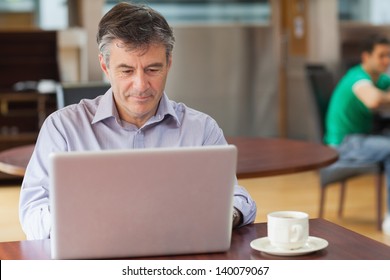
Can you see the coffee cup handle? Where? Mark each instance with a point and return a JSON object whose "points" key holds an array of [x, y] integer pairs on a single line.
{"points": [[296, 231]]}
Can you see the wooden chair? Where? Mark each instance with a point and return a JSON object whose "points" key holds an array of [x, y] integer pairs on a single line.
{"points": [[321, 84]]}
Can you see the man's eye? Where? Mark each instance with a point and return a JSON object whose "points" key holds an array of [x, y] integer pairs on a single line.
{"points": [[127, 71], [153, 70]]}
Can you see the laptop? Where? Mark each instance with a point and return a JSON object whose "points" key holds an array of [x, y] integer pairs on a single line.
{"points": [[138, 203]]}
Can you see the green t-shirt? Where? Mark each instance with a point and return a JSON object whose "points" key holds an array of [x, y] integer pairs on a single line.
{"points": [[346, 113]]}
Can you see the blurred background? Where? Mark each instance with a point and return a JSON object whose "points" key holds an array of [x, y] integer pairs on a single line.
{"points": [[244, 62]]}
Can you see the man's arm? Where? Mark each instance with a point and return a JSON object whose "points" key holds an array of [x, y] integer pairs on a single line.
{"points": [[34, 212], [371, 96], [242, 201], [34, 208]]}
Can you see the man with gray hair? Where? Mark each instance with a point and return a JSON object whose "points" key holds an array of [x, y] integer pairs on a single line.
{"points": [[135, 44]]}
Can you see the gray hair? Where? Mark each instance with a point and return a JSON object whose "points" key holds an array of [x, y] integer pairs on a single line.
{"points": [[136, 26]]}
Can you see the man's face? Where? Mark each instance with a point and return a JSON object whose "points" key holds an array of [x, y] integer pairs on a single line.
{"points": [[378, 60], [137, 79]]}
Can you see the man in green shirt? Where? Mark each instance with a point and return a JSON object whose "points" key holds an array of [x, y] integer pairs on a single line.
{"points": [[363, 90]]}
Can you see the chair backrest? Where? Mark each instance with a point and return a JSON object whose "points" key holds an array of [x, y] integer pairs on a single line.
{"points": [[72, 93], [321, 85]]}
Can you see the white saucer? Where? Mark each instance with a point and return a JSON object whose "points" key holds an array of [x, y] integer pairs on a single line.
{"points": [[313, 244]]}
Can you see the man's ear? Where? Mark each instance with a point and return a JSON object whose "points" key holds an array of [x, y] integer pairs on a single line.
{"points": [[364, 56], [169, 62], [103, 65]]}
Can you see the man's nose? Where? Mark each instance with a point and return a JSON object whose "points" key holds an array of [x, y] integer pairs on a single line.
{"points": [[140, 82]]}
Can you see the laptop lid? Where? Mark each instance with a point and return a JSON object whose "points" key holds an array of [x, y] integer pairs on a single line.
{"points": [[148, 202]]}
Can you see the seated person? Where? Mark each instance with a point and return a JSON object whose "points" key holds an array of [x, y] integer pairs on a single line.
{"points": [[349, 120], [135, 44]]}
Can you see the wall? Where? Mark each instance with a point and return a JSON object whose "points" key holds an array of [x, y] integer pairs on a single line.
{"points": [[228, 72], [16, 20], [72, 55]]}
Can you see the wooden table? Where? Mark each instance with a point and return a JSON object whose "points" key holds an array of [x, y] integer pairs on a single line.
{"points": [[344, 244], [260, 157], [257, 157], [14, 161]]}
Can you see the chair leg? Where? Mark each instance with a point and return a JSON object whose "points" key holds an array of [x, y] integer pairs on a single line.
{"points": [[322, 202], [342, 198], [379, 198]]}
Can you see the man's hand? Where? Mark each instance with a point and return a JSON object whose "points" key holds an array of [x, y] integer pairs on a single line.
{"points": [[237, 217]]}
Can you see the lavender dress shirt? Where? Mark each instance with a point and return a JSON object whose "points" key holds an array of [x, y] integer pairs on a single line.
{"points": [[95, 125]]}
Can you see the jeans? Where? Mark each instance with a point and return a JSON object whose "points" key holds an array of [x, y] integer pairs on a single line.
{"points": [[359, 148]]}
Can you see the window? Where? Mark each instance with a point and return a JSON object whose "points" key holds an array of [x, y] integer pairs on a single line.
{"points": [[179, 12], [366, 11], [16, 5]]}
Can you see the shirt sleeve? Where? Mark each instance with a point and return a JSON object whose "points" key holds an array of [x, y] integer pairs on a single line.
{"points": [[242, 199], [244, 202], [360, 83], [34, 208]]}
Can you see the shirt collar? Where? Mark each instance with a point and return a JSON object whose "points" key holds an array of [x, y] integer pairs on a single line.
{"points": [[107, 109], [166, 108]]}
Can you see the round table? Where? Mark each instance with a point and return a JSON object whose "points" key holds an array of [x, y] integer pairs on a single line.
{"points": [[14, 161], [257, 157], [260, 157]]}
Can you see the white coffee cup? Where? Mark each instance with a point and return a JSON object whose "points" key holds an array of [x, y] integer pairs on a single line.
{"points": [[288, 230]]}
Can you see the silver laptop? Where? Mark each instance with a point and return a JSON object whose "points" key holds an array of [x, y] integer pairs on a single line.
{"points": [[148, 202]]}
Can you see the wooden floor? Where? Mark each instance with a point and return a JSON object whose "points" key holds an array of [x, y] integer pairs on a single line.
{"points": [[10, 229], [301, 192], [290, 192]]}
